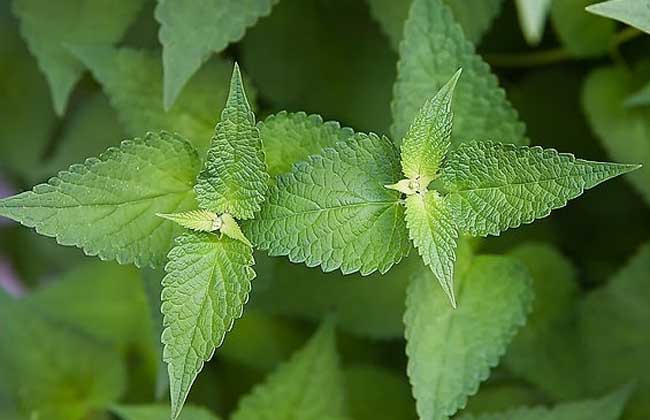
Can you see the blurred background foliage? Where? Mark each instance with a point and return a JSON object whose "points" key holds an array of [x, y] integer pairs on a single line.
{"points": [[85, 334]]}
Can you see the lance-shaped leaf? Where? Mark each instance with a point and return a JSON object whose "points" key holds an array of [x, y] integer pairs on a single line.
{"points": [[207, 284], [493, 187], [609, 407], [308, 387], [450, 350], [190, 33], [234, 178], [288, 138], [197, 220], [160, 412], [433, 48], [429, 136], [132, 79], [633, 12], [532, 18], [107, 206], [333, 210], [49, 27], [434, 233]]}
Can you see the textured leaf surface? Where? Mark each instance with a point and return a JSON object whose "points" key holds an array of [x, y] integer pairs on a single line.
{"points": [[434, 47], [368, 306], [197, 220], [49, 27], [107, 206], [450, 350], [633, 12], [288, 138], [493, 187], [614, 320], [547, 351], [333, 210], [207, 284], [234, 178], [583, 34], [26, 115], [191, 33], [532, 18], [160, 412], [475, 17], [435, 235], [429, 136], [41, 378], [132, 79], [624, 132], [308, 387]]}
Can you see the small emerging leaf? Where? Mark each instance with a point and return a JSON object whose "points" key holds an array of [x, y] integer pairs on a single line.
{"points": [[230, 228], [197, 220], [532, 18], [234, 178], [429, 136]]}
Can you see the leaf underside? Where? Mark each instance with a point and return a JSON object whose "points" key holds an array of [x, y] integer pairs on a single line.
{"points": [[206, 287], [107, 206], [333, 210], [633, 12]]}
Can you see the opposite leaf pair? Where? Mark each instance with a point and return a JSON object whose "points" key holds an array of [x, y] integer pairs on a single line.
{"points": [[337, 211]]}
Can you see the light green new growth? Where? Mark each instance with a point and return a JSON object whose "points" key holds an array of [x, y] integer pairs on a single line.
{"points": [[133, 81], [434, 233], [189, 35], [288, 138], [307, 387], [207, 221], [633, 12], [234, 178], [433, 48], [428, 138], [532, 18], [492, 187], [609, 407], [333, 210], [160, 412], [451, 351], [107, 206], [207, 284], [50, 27]]}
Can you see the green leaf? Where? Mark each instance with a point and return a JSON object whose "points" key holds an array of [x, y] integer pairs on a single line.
{"points": [[234, 178], [547, 351], [160, 412], [451, 351], [288, 138], [93, 119], [623, 131], [370, 306], [475, 17], [26, 115], [309, 386], [49, 27], [207, 284], [435, 235], [433, 48], [633, 12], [197, 220], [38, 374], [583, 35], [609, 407], [132, 79], [428, 138], [333, 210], [639, 98], [493, 187], [107, 206], [532, 18], [191, 33], [614, 321]]}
